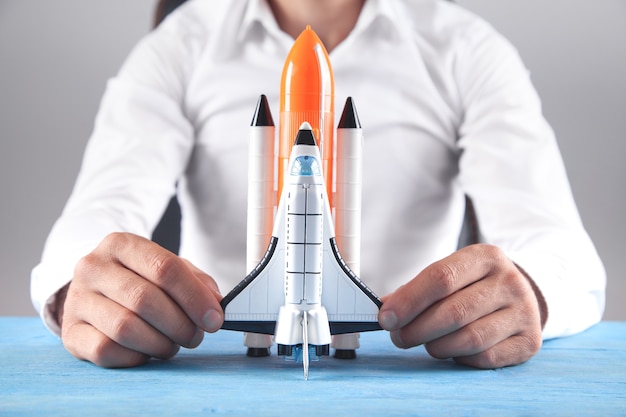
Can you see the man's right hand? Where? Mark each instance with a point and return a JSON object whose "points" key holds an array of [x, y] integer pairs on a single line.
{"points": [[131, 300]]}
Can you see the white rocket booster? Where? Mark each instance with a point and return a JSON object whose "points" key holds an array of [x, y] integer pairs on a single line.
{"points": [[348, 184], [260, 183], [348, 189]]}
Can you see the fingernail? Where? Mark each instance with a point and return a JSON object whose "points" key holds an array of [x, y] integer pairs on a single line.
{"points": [[388, 320], [174, 351], [197, 339], [397, 339], [212, 321]]}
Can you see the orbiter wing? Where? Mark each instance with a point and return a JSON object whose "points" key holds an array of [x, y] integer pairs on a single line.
{"points": [[253, 305]]}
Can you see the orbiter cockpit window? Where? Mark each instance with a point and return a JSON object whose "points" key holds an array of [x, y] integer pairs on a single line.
{"points": [[306, 165]]}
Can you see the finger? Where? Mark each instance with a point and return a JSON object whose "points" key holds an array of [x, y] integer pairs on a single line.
{"points": [[476, 337], [512, 351], [170, 273], [452, 313], [126, 328], [87, 343], [490, 342], [437, 281], [145, 299]]}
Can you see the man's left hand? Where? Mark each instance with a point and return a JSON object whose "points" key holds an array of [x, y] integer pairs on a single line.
{"points": [[475, 306]]}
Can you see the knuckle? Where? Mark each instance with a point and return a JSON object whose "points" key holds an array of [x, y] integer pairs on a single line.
{"points": [[140, 298], [68, 337], [496, 257], [447, 276], [492, 252], [475, 339], [73, 297], [458, 313], [518, 286], [96, 347], [164, 267], [489, 359], [533, 341], [98, 350], [86, 265], [123, 326], [115, 239], [102, 352]]}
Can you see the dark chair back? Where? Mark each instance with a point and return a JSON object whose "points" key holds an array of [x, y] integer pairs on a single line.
{"points": [[163, 8]]}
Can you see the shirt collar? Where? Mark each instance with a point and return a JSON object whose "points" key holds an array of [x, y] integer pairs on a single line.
{"points": [[376, 14], [258, 12]]}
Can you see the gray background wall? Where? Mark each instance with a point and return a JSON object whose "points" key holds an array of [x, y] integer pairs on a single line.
{"points": [[55, 58]]}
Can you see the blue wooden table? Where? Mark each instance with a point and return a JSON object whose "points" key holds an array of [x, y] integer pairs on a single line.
{"points": [[579, 375]]}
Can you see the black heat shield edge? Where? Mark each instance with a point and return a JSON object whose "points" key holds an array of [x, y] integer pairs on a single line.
{"points": [[268, 327]]}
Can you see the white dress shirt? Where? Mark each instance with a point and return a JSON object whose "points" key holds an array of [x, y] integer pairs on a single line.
{"points": [[447, 109]]}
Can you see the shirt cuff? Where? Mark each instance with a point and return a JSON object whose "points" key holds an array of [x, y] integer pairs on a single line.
{"points": [[575, 301]]}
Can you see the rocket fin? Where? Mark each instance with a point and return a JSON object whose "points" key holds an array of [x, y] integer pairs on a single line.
{"points": [[351, 306], [253, 305]]}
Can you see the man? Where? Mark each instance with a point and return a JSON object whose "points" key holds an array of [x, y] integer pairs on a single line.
{"points": [[447, 109]]}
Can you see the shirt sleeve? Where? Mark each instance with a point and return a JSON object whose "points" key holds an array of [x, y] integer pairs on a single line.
{"points": [[138, 150], [511, 168]]}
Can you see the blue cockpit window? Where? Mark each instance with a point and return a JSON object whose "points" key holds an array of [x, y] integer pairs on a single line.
{"points": [[306, 165]]}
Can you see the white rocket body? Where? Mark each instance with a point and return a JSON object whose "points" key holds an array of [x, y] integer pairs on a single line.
{"points": [[305, 204]]}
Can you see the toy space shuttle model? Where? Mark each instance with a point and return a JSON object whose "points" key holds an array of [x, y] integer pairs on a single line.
{"points": [[303, 284]]}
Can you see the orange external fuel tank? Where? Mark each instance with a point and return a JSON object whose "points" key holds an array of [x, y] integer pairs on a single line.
{"points": [[307, 92]]}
